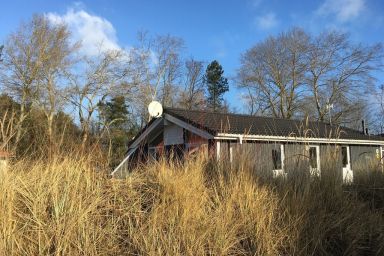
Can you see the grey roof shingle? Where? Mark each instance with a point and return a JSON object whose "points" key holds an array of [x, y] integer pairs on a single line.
{"points": [[255, 125]]}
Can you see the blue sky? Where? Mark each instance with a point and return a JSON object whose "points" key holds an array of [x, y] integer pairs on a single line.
{"points": [[219, 30]]}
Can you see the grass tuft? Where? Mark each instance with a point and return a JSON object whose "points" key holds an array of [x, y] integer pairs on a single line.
{"points": [[68, 207]]}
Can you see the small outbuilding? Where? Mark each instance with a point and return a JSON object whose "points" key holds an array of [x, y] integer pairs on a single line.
{"points": [[272, 144]]}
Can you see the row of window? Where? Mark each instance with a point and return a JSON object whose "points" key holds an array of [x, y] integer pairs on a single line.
{"points": [[313, 155]]}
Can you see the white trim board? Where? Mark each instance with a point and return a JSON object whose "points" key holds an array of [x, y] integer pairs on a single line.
{"points": [[130, 152], [145, 133], [189, 127], [132, 148], [231, 136]]}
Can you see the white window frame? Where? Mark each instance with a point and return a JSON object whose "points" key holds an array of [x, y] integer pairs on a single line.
{"points": [[218, 150], [347, 171], [381, 158], [317, 171], [280, 172]]}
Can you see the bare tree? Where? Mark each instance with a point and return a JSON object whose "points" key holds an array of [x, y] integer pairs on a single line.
{"points": [[167, 71], [35, 60], [273, 73], [7, 131], [376, 109], [155, 71], [55, 59], [141, 76], [192, 96], [339, 74], [251, 101], [323, 77], [21, 69], [98, 78]]}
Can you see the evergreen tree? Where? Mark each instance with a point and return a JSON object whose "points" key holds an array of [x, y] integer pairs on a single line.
{"points": [[116, 117], [116, 113], [216, 84]]}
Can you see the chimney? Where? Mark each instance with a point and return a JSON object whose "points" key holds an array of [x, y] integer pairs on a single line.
{"points": [[363, 125]]}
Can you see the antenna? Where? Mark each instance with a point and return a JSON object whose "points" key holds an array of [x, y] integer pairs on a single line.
{"points": [[155, 109], [329, 107]]}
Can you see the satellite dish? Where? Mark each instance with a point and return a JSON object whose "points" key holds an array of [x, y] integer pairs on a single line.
{"points": [[155, 109]]}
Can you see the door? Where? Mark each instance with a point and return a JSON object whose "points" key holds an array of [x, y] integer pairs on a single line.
{"points": [[314, 160], [346, 160]]}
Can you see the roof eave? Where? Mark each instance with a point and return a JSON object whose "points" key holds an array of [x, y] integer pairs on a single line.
{"points": [[232, 136]]}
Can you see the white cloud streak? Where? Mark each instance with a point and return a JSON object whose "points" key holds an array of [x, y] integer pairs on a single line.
{"points": [[345, 10]]}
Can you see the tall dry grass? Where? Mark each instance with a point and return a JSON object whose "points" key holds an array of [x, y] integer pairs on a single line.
{"points": [[67, 207]]}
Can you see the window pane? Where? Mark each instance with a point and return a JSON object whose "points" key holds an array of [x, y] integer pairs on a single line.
{"points": [[276, 159], [313, 157], [344, 156]]}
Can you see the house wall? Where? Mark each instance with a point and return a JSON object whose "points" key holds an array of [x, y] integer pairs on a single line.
{"points": [[255, 155], [258, 156], [173, 134], [331, 161], [296, 158], [192, 139], [360, 156], [363, 156]]}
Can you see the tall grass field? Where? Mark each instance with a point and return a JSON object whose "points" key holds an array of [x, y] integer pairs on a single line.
{"points": [[67, 206]]}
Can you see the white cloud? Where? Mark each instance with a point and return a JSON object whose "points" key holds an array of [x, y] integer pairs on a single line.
{"points": [[266, 21], [94, 32], [345, 10]]}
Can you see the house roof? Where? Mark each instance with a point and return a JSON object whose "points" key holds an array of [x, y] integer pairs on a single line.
{"points": [[216, 123]]}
